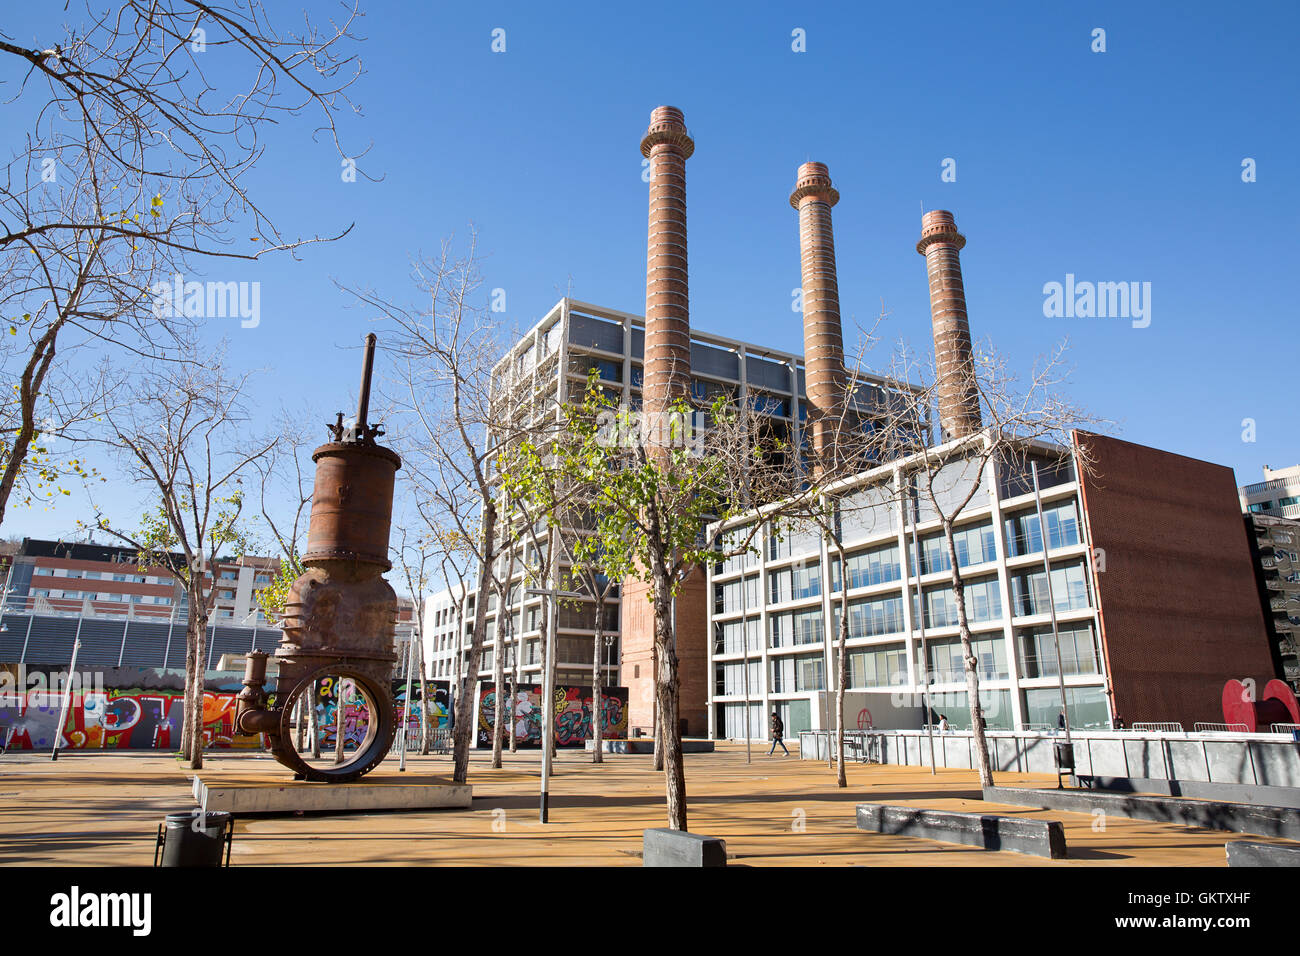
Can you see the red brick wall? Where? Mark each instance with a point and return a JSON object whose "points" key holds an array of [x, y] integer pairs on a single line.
{"points": [[1180, 613], [636, 634]]}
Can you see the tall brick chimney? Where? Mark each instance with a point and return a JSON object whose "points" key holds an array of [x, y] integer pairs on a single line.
{"points": [[823, 336], [959, 404], [667, 303], [667, 377]]}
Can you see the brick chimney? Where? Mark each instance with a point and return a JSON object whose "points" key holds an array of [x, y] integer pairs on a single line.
{"points": [[667, 302], [959, 405], [823, 336]]}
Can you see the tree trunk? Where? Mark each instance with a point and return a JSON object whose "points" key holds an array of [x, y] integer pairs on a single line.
{"points": [[465, 705], [498, 683], [842, 667], [200, 654], [666, 696], [518, 643], [597, 712], [970, 661], [424, 700], [187, 703], [658, 724]]}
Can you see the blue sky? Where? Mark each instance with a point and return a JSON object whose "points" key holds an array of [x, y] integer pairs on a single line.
{"points": [[1115, 166]]}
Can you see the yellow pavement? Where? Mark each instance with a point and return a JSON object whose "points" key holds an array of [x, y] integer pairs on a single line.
{"points": [[100, 810]]}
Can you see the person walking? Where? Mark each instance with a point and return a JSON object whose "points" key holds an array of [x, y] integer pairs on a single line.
{"points": [[778, 735], [943, 723]]}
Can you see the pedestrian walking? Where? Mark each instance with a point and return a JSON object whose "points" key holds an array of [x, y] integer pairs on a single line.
{"points": [[778, 735]]}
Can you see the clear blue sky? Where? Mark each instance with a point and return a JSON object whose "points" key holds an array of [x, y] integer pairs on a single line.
{"points": [[1115, 166]]}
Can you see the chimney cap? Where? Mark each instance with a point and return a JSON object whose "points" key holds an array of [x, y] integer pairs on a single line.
{"points": [[814, 179], [667, 125], [938, 225]]}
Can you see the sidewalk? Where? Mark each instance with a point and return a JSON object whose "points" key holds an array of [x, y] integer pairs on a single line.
{"points": [[104, 809]]}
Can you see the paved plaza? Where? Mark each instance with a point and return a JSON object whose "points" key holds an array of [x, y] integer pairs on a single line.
{"points": [[103, 810]]}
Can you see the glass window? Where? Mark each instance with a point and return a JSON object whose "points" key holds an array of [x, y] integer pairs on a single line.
{"points": [[872, 617], [982, 603], [946, 659], [1078, 650], [791, 628], [1069, 590], [1025, 537], [866, 568], [795, 582], [878, 666], [1087, 706], [974, 545]]}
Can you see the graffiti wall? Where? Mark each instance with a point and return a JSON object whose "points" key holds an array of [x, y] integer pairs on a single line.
{"points": [[572, 715], [115, 708]]}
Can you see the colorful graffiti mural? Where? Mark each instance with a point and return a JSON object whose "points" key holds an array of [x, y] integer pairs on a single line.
{"points": [[572, 715], [121, 708]]}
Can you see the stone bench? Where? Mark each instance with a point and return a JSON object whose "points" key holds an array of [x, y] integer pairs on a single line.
{"points": [[1210, 814], [984, 830], [666, 847], [1248, 853]]}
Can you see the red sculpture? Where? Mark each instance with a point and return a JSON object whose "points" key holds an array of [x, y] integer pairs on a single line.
{"points": [[1277, 705]]}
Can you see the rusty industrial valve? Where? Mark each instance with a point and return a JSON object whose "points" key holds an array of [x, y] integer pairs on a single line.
{"points": [[339, 615]]}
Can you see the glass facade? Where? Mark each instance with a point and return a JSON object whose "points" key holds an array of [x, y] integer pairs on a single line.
{"points": [[946, 663], [878, 666], [1087, 706], [1078, 650], [1025, 536], [1069, 590]]}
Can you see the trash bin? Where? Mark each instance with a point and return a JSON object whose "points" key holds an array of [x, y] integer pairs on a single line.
{"points": [[194, 838], [1064, 756]]}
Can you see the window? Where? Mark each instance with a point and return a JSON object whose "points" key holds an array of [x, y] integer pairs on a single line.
{"points": [[878, 666], [974, 545], [982, 604], [946, 659], [1069, 590], [1025, 537], [872, 617], [1038, 651], [869, 567], [796, 582], [728, 637], [227, 575], [791, 628], [795, 674], [1288, 501]]}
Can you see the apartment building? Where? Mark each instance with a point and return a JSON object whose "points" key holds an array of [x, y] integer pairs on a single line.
{"points": [[1277, 495], [1153, 597]]}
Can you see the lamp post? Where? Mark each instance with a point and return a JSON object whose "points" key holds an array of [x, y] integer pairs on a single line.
{"points": [[548, 688]]}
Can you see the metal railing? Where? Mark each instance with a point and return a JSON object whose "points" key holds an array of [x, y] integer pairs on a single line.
{"points": [[1203, 727], [1160, 727], [1284, 728]]}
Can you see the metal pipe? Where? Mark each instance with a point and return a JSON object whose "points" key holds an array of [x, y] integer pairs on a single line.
{"points": [[363, 394], [925, 654]]}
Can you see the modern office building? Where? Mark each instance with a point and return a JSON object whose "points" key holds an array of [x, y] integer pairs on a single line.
{"points": [[106, 579], [1277, 495], [577, 337], [1275, 546], [1153, 594]]}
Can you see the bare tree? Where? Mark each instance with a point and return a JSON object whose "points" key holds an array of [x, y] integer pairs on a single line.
{"points": [[183, 435], [142, 123], [442, 396], [1023, 420]]}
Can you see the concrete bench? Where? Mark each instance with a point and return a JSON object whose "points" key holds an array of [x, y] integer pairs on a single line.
{"points": [[1249, 853], [984, 830], [666, 847], [1210, 814]]}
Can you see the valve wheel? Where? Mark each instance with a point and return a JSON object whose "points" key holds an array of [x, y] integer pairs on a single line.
{"points": [[376, 738]]}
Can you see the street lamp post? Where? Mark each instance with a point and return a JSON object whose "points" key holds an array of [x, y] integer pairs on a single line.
{"points": [[548, 688]]}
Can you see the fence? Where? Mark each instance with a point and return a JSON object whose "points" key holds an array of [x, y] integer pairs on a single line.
{"points": [[1214, 757]]}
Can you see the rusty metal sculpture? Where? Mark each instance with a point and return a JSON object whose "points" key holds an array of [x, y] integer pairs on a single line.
{"points": [[339, 615]]}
